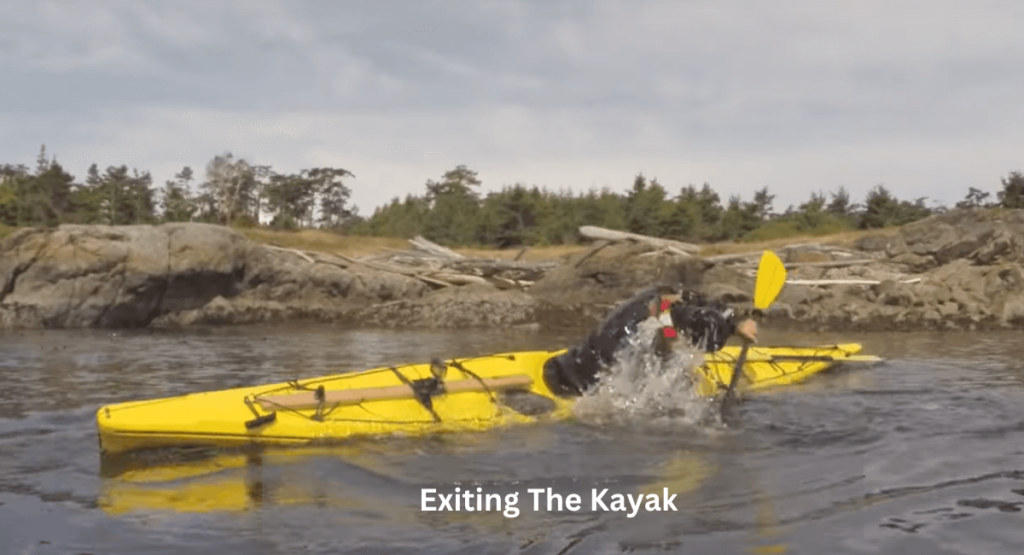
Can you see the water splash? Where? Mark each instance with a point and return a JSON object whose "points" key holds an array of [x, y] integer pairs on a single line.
{"points": [[642, 387]]}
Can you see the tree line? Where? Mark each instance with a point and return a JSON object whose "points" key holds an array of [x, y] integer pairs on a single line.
{"points": [[232, 192], [451, 211]]}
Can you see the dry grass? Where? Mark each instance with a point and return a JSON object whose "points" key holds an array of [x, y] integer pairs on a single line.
{"points": [[353, 245], [844, 239], [323, 241], [349, 245], [532, 254]]}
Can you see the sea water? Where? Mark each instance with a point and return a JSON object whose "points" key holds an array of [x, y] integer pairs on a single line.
{"points": [[917, 455]]}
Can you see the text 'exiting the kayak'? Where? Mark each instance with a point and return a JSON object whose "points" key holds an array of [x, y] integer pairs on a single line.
{"points": [[544, 499]]}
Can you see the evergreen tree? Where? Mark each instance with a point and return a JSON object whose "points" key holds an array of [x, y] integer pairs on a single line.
{"points": [[1012, 195], [40, 199], [644, 212], [761, 207], [123, 198], [12, 186], [511, 217], [177, 203], [291, 199], [50, 193], [738, 219], [881, 209], [976, 198], [454, 208], [698, 213]]}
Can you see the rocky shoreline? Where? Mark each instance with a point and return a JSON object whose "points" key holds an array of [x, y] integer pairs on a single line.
{"points": [[958, 270]]}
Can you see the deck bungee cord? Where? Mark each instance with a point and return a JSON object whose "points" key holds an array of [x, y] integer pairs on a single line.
{"points": [[421, 389]]}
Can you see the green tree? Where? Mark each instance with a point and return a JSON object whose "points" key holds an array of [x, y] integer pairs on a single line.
{"points": [[1012, 195], [697, 214], [49, 195], [333, 195], [738, 219], [809, 218], [646, 211], [976, 198], [454, 208], [291, 199], [35, 199], [233, 188], [12, 186], [511, 216], [840, 204], [177, 203], [120, 197], [602, 208], [87, 199], [881, 209], [811, 214], [560, 215], [397, 219], [761, 207]]}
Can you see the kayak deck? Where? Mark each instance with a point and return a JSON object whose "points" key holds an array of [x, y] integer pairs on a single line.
{"points": [[770, 366], [472, 395]]}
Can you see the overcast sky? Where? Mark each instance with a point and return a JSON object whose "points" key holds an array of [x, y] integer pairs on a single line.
{"points": [[926, 98]]}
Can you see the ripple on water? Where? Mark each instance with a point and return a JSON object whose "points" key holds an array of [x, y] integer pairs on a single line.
{"points": [[926, 445]]}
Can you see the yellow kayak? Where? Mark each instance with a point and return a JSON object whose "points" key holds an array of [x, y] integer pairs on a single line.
{"points": [[472, 394]]}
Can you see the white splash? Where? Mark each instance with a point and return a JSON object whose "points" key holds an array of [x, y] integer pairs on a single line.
{"points": [[642, 387]]}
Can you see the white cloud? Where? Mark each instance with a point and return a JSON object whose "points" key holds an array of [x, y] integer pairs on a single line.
{"points": [[794, 95], [394, 154]]}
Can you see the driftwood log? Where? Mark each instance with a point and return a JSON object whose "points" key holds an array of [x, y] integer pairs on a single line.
{"points": [[429, 247], [439, 266], [443, 267], [600, 233], [845, 281]]}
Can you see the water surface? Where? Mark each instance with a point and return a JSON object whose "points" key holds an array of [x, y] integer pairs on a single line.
{"points": [[919, 454]]}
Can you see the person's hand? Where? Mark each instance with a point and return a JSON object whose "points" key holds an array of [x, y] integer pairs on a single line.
{"points": [[747, 329]]}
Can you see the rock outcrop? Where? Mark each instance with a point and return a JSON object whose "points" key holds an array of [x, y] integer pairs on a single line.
{"points": [[958, 270], [132, 276]]}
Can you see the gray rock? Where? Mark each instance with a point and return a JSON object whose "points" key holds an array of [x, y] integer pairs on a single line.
{"points": [[1013, 311], [461, 307], [915, 262], [970, 263], [874, 243], [130, 276]]}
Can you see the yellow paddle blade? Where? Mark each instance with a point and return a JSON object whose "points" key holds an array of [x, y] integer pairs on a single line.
{"points": [[771, 276]]}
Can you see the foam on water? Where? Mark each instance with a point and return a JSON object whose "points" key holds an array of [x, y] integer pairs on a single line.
{"points": [[641, 387]]}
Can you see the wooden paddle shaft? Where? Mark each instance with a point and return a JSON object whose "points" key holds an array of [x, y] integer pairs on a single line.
{"points": [[307, 399]]}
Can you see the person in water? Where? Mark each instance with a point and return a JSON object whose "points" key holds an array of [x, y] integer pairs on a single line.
{"points": [[706, 325]]}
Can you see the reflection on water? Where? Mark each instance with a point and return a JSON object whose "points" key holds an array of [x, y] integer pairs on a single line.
{"points": [[919, 454]]}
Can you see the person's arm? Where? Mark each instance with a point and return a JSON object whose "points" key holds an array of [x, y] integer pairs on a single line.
{"points": [[709, 325]]}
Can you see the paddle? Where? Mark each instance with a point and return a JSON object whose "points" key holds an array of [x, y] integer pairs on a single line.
{"points": [[771, 277]]}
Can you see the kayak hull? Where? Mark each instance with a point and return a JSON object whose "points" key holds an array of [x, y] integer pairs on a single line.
{"points": [[479, 394]]}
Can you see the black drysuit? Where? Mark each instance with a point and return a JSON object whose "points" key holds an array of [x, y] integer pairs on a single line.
{"points": [[706, 325]]}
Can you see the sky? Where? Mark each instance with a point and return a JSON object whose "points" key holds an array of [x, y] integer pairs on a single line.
{"points": [[925, 98]]}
